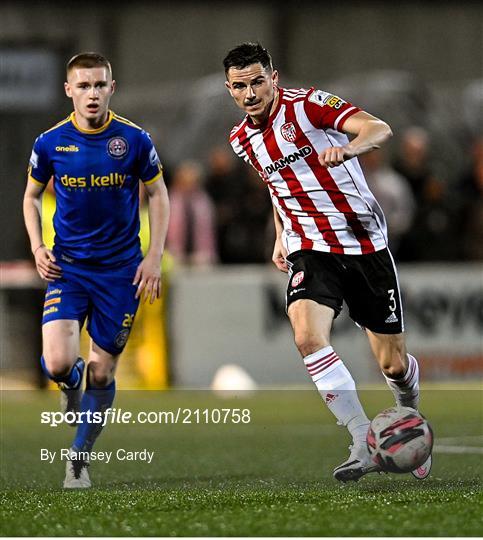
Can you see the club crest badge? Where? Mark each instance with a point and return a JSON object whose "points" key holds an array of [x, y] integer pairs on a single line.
{"points": [[121, 338], [288, 132], [117, 147], [298, 278]]}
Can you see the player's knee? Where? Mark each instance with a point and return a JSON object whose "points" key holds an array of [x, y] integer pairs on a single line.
{"points": [[308, 343], [100, 380], [100, 377], [58, 366]]}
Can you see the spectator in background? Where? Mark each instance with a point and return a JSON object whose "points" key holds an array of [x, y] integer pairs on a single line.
{"points": [[223, 177], [226, 185], [434, 232], [191, 234], [257, 211], [393, 193], [412, 159], [472, 208], [242, 209]]}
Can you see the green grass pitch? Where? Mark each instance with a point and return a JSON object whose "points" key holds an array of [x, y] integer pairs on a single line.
{"points": [[269, 477]]}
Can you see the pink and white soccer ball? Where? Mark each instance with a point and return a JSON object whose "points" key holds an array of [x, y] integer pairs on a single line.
{"points": [[400, 439]]}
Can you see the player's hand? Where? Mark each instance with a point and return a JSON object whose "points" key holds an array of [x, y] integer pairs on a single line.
{"points": [[45, 263], [335, 155], [148, 279], [279, 255]]}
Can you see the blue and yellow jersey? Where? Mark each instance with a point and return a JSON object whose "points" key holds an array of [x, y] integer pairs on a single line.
{"points": [[96, 180]]}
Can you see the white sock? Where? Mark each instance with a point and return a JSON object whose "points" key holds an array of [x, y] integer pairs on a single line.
{"points": [[406, 389], [338, 390]]}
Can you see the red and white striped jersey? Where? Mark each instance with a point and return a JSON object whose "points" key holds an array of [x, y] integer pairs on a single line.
{"points": [[329, 210]]}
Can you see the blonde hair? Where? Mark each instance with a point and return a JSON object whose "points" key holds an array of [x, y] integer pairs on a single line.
{"points": [[88, 60]]}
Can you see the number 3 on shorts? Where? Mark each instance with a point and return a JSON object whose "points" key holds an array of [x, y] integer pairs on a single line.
{"points": [[392, 300]]}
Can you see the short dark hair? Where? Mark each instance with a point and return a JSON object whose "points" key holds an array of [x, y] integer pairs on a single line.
{"points": [[247, 54], [88, 60]]}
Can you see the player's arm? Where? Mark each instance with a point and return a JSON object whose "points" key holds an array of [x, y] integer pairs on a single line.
{"points": [[32, 211], [370, 133], [148, 275], [279, 251]]}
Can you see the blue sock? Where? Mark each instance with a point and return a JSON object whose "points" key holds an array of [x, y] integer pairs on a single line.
{"points": [[94, 400], [72, 379]]}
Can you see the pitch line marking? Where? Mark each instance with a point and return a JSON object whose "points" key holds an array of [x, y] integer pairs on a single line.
{"points": [[448, 449], [471, 439]]}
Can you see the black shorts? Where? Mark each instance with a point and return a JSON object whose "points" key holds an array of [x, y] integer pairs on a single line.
{"points": [[367, 283]]}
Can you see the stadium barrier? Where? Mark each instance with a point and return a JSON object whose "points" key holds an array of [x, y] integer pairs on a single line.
{"points": [[235, 316]]}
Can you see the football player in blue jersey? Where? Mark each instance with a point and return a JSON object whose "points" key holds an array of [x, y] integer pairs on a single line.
{"points": [[95, 271]]}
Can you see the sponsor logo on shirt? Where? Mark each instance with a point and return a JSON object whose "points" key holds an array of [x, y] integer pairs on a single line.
{"points": [[70, 148], [287, 160], [113, 179]]}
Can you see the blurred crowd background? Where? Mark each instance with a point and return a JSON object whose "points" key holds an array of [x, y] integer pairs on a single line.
{"points": [[417, 65]]}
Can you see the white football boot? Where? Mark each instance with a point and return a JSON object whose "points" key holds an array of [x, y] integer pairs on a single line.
{"points": [[76, 475], [358, 464]]}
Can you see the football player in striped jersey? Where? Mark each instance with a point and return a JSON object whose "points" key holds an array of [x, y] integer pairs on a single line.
{"points": [[331, 234]]}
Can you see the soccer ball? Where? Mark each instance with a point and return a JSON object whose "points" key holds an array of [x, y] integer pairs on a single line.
{"points": [[399, 439]]}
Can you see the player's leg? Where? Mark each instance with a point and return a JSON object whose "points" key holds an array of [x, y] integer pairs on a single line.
{"points": [[312, 323], [314, 298], [399, 368], [374, 302], [64, 311], [60, 350], [98, 397], [401, 372], [113, 309]]}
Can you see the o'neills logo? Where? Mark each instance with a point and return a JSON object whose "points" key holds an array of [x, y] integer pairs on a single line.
{"points": [[287, 160]]}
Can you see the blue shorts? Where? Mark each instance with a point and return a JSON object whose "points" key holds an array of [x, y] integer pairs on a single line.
{"points": [[104, 296]]}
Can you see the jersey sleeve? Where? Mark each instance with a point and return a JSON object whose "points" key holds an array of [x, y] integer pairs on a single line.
{"points": [[150, 168], [40, 168], [326, 110]]}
